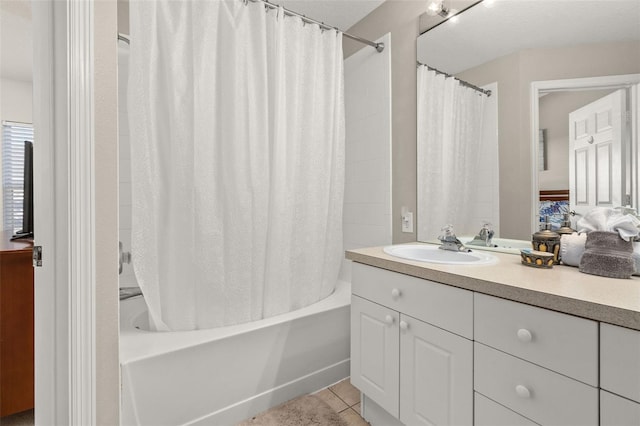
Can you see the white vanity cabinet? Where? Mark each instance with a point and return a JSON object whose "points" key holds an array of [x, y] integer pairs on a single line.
{"points": [[619, 376], [402, 355], [429, 353]]}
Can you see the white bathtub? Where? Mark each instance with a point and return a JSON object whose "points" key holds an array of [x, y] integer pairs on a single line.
{"points": [[224, 375]]}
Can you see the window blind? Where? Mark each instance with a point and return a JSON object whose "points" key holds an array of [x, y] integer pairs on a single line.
{"points": [[13, 137]]}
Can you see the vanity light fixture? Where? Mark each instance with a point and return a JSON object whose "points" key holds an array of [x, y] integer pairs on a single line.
{"points": [[437, 8]]}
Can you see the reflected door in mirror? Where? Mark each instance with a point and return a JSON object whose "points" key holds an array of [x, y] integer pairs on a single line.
{"points": [[596, 139]]}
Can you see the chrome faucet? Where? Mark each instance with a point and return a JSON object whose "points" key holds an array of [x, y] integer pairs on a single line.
{"points": [[484, 236], [450, 241]]}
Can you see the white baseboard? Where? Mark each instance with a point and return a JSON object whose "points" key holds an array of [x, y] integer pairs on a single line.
{"points": [[276, 396]]}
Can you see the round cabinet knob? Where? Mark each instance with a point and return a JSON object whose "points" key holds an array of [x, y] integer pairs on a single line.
{"points": [[523, 391], [403, 325], [388, 319], [590, 140], [524, 335], [395, 293]]}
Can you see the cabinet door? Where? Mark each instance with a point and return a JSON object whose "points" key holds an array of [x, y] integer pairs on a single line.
{"points": [[374, 352], [436, 375]]}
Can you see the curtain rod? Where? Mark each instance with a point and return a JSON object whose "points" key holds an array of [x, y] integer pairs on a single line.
{"points": [[378, 46], [464, 83]]}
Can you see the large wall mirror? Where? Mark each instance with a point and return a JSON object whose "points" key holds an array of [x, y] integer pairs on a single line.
{"points": [[561, 74]]}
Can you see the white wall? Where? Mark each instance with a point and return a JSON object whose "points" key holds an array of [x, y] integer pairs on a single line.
{"points": [[15, 105], [401, 19], [367, 198], [16, 100]]}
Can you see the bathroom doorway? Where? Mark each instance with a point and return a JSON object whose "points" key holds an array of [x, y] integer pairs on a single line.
{"points": [[16, 273], [629, 82]]}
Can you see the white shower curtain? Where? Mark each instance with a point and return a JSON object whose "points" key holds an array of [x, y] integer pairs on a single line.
{"points": [[237, 134], [450, 118]]}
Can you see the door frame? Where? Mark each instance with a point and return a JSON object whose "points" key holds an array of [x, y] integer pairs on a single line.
{"points": [[576, 84], [64, 183]]}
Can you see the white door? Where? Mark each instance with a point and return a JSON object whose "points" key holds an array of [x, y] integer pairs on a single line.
{"points": [[596, 143], [374, 352], [436, 375]]}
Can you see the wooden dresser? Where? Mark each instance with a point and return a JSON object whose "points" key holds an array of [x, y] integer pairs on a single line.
{"points": [[16, 325]]}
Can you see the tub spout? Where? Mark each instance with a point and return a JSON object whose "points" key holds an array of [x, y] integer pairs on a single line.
{"points": [[129, 292]]}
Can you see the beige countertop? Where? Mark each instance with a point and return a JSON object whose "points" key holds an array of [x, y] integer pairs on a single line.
{"points": [[561, 288]]}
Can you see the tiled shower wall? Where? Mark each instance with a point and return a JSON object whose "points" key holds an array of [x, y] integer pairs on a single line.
{"points": [[127, 278], [367, 198], [367, 202]]}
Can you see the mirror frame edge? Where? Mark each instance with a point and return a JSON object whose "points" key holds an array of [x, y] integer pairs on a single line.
{"points": [[592, 83]]}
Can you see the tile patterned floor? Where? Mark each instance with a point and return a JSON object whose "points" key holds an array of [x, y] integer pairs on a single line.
{"points": [[345, 400], [24, 418]]}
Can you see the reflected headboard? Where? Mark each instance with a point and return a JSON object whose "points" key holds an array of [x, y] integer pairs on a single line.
{"points": [[554, 195], [554, 204]]}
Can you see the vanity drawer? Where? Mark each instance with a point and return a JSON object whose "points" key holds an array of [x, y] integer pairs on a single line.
{"points": [[618, 411], [490, 413], [560, 342], [539, 394], [441, 305], [620, 361]]}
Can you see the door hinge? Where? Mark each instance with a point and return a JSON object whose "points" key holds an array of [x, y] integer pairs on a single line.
{"points": [[37, 256]]}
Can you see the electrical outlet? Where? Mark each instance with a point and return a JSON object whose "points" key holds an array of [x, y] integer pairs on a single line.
{"points": [[407, 221]]}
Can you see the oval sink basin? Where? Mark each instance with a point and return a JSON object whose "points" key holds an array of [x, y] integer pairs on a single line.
{"points": [[432, 254]]}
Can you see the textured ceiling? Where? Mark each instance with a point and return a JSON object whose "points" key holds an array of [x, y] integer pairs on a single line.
{"points": [[483, 34], [342, 14]]}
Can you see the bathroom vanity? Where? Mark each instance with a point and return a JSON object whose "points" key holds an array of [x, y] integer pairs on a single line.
{"points": [[498, 344]]}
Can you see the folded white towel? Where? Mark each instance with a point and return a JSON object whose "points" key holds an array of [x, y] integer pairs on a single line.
{"points": [[610, 220], [627, 226], [572, 248]]}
